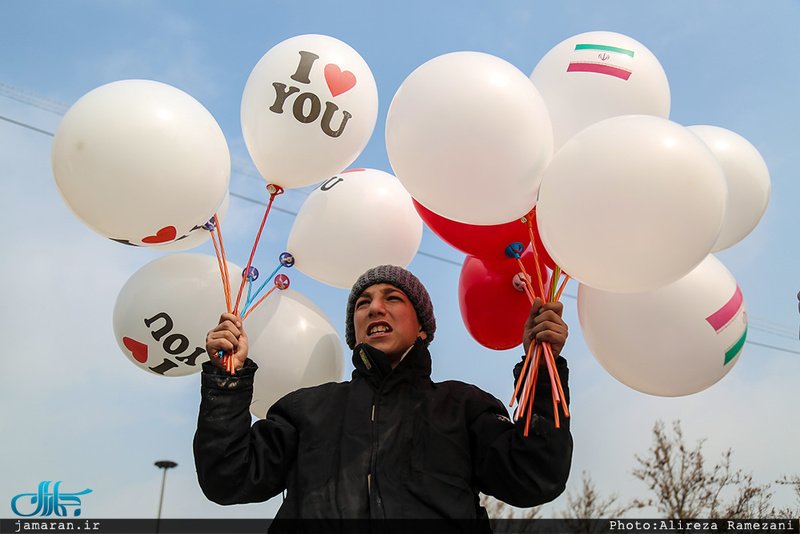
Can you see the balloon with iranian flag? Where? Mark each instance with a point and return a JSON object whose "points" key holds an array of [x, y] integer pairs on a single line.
{"points": [[597, 75], [675, 340], [631, 203]]}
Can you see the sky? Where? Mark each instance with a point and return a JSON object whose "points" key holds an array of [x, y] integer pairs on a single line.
{"points": [[73, 408]]}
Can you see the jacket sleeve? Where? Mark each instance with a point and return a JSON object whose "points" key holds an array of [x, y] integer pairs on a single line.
{"points": [[236, 462], [521, 470]]}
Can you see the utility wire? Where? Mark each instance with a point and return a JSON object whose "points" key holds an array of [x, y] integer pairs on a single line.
{"points": [[28, 126], [771, 346], [773, 332], [32, 99], [255, 201]]}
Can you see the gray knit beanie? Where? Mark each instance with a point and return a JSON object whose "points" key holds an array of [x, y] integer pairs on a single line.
{"points": [[402, 279]]}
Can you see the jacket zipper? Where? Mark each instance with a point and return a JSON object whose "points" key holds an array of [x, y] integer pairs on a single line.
{"points": [[369, 475], [377, 512]]}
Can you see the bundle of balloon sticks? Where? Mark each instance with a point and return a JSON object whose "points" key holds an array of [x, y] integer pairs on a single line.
{"points": [[250, 273], [538, 353]]}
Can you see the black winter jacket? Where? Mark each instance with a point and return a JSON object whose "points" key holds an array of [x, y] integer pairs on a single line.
{"points": [[388, 444]]}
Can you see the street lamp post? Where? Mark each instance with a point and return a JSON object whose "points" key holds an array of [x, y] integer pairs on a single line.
{"points": [[163, 464]]}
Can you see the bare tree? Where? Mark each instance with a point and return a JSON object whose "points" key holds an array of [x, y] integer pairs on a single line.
{"points": [[682, 486], [685, 489], [793, 480], [588, 503], [674, 474], [500, 510], [506, 518]]}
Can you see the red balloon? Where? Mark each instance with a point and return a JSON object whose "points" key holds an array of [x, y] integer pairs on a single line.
{"points": [[488, 242], [493, 308]]}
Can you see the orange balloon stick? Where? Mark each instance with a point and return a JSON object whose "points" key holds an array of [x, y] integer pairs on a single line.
{"points": [[563, 285], [528, 219], [521, 377], [274, 190]]}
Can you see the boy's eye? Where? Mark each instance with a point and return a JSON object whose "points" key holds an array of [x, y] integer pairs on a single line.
{"points": [[360, 303]]}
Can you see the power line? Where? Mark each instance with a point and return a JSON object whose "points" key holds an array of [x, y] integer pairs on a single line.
{"points": [[34, 128], [776, 328], [773, 331], [259, 202], [446, 260], [32, 99], [771, 347]]}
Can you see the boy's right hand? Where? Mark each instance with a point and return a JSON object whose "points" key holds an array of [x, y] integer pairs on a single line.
{"points": [[228, 337]]}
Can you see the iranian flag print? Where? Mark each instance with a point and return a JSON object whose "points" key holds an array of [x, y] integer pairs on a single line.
{"points": [[727, 316], [602, 59]]}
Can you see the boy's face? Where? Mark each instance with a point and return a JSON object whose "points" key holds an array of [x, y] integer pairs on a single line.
{"points": [[385, 319]]}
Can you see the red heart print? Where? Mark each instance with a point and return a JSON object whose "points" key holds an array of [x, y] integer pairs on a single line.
{"points": [[139, 350], [168, 233], [339, 81]]}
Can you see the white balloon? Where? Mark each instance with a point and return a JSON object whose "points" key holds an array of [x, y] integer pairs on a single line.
{"points": [[631, 203], [308, 110], [748, 182], [597, 75], [675, 340], [468, 135], [294, 344], [140, 162], [352, 222], [165, 309]]}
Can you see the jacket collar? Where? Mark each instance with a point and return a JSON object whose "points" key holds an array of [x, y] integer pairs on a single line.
{"points": [[373, 364]]}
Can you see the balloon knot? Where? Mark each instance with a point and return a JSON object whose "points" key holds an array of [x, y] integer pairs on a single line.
{"points": [[286, 259], [211, 224], [273, 189], [282, 281], [251, 274], [514, 250]]}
